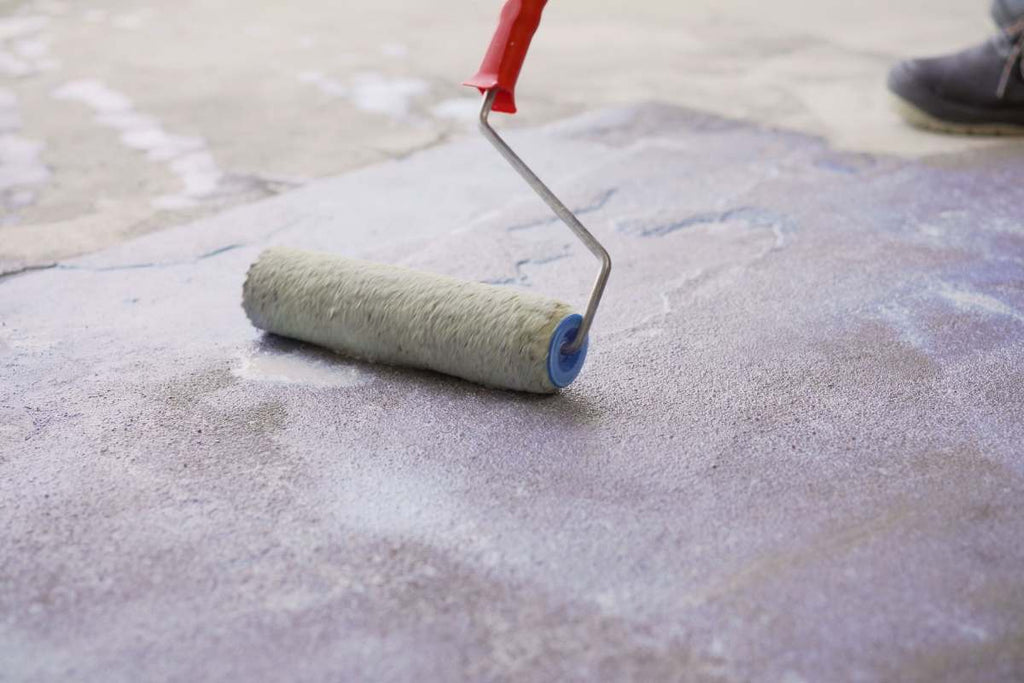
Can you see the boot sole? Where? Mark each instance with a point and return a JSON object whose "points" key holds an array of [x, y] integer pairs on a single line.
{"points": [[919, 118]]}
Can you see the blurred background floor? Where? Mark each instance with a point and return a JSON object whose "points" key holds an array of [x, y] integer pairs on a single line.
{"points": [[120, 117]]}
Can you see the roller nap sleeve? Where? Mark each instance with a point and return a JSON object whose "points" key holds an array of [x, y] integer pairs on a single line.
{"points": [[492, 335]]}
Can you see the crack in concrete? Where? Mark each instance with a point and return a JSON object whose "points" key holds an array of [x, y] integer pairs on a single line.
{"points": [[703, 276], [439, 139], [217, 251], [755, 216], [26, 269], [597, 204], [521, 278], [166, 264]]}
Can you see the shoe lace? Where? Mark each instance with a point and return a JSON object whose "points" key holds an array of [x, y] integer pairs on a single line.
{"points": [[1015, 36]]}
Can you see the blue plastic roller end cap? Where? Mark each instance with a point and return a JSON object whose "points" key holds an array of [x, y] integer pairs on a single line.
{"points": [[564, 367]]}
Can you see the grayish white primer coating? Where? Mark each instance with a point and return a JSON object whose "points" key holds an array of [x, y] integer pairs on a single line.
{"points": [[794, 457], [484, 333]]}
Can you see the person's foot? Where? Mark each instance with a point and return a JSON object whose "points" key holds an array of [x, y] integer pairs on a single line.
{"points": [[979, 90]]}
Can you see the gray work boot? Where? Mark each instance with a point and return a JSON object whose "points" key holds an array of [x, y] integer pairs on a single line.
{"points": [[979, 90]]}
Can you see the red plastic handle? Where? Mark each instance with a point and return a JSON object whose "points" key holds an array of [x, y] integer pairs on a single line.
{"points": [[504, 59]]}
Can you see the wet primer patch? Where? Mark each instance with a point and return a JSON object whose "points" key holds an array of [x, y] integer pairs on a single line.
{"points": [[21, 168], [301, 365], [462, 109], [187, 157], [372, 92], [24, 48]]}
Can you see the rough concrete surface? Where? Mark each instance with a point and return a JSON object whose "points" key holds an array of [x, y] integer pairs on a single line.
{"points": [[794, 455], [118, 117]]}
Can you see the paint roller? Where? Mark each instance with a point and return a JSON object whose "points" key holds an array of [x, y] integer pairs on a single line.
{"points": [[489, 334]]}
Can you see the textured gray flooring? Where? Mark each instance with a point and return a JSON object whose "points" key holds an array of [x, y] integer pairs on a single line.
{"points": [[795, 453]]}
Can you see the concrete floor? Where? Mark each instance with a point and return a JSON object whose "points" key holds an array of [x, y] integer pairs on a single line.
{"points": [[120, 117], [794, 454]]}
